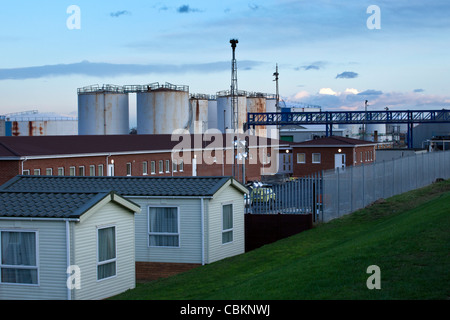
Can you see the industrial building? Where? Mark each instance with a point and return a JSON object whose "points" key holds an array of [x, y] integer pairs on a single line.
{"points": [[139, 155], [166, 108], [35, 123]]}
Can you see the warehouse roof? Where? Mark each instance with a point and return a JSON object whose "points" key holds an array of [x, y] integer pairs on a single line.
{"points": [[23, 146], [54, 205], [126, 186]]}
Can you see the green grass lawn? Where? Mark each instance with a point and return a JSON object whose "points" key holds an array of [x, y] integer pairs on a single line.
{"points": [[407, 236]]}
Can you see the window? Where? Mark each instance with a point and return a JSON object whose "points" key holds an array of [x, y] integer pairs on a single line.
{"points": [[316, 157], [227, 223], [26, 172], [129, 169], [174, 165], [163, 227], [107, 257], [167, 165], [72, 171], [100, 170], [18, 253], [81, 171], [181, 166], [37, 172], [49, 171], [92, 170], [161, 169], [144, 168], [153, 167], [60, 171], [301, 158]]}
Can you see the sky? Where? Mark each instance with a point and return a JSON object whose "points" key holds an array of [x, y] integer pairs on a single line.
{"points": [[330, 53]]}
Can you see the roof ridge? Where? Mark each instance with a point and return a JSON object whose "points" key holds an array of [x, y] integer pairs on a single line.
{"points": [[9, 149]]}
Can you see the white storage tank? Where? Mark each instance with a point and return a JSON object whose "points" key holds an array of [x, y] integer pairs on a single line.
{"points": [[224, 111], [162, 109], [271, 106], [376, 132], [256, 103], [199, 112], [212, 113], [103, 111]]}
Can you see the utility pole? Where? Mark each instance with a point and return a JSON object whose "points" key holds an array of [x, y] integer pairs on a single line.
{"points": [[234, 88], [365, 118]]}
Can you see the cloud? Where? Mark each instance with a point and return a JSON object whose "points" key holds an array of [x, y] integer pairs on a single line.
{"points": [[313, 66], [253, 6], [327, 91], [100, 69], [352, 99], [418, 90], [347, 75], [186, 9], [119, 13], [370, 92]]}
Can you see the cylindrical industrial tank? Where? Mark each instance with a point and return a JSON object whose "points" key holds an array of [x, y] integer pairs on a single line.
{"points": [[2, 126], [162, 109], [103, 111], [212, 113], [256, 103], [271, 106], [224, 111], [199, 109], [376, 132], [352, 130]]}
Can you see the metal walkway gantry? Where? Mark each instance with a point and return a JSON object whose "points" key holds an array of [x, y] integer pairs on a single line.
{"points": [[330, 118]]}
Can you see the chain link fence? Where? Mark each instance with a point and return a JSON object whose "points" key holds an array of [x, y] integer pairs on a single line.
{"points": [[345, 191]]}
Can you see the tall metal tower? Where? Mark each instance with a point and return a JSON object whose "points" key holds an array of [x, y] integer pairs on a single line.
{"points": [[276, 74], [234, 88]]}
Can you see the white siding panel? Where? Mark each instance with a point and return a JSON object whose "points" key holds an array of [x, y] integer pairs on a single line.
{"points": [[217, 250], [189, 250], [85, 253], [52, 262]]}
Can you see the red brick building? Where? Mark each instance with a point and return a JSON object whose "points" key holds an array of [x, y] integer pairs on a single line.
{"points": [[136, 155], [329, 153]]}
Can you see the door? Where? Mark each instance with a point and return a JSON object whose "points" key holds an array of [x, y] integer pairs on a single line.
{"points": [[110, 170], [339, 161]]}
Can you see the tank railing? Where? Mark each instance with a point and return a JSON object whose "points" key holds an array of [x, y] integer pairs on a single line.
{"points": [[105, 88], [226, 93], [261, 95], [11, 119], [202, 96]]}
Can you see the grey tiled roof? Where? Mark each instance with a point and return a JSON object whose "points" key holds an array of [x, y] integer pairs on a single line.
{"points": [[47, 204], [125, 186]]}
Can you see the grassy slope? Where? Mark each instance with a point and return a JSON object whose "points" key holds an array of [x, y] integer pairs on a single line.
{"points": [[407, 237]]}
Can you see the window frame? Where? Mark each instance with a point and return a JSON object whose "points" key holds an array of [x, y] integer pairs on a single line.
{"points": [[153, 167], [320, 158], [304, 157], [47, 170], [229, 230], [113, 260], [21, 267], [144, 168], [161, 166], [150, 233], [128, 166], [167, 165], [100, 170]]}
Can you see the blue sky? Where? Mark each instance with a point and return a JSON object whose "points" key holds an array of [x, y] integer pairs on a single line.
{"points": [[326, 53]]}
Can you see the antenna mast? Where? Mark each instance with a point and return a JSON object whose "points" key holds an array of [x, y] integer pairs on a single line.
{"points": [[276, 74], [234, 88]]}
